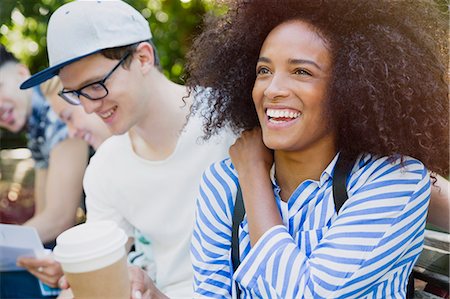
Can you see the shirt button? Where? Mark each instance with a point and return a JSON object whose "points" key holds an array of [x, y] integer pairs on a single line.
{"points": [[42, 124], [40, 139]]}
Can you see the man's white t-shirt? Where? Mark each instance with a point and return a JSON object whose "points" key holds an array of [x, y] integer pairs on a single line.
{"points": [[155, 197]]}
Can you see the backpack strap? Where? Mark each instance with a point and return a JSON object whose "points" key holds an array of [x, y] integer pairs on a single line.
{"points": [[238, 216], [342, 170]]}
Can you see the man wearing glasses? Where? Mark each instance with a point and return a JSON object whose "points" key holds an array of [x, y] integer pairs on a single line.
{"points": [[146, 177]]}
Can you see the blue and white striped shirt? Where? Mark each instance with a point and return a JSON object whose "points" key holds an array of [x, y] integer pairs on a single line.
{"points": [[44, 129], [367, 251]]}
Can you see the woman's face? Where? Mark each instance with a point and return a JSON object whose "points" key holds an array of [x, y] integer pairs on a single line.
{"points": [[88, 127], [290, 91]]}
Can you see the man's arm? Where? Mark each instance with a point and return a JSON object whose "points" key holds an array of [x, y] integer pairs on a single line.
{"points": [[40, 181], [63, 189], [439, 209]]}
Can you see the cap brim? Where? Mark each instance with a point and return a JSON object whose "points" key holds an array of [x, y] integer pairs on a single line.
{"points": [[48, 73]]}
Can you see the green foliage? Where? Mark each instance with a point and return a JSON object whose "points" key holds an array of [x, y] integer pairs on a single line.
{"points": [[173, 24], [23, 29]]}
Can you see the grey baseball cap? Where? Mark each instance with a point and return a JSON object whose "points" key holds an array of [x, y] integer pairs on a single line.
{"points": [[82, 28]]}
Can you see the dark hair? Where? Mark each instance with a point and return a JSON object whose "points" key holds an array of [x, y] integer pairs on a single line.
{"points": [[389, 86], [6, 56], [118, 52]]}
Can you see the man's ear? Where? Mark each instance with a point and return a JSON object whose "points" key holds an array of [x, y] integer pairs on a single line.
{"points": [[146, 56]]}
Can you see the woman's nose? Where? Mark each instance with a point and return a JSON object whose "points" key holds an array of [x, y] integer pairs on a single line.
{"points": [[277, 88]]}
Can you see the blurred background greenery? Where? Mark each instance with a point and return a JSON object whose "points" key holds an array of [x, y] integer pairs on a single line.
{"points": [[173, 23]]}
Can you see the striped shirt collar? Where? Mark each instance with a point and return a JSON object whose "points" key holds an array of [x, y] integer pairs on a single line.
{"points": [[324, 177]]}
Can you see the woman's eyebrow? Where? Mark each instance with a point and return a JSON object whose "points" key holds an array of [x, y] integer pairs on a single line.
{"points": [[292, 61], [303, 61], [264, 59]]}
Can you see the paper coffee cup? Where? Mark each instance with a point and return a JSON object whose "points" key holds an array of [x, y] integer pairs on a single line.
{"points": [[93, 258]]}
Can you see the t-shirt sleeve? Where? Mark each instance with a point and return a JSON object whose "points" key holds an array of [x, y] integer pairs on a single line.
{"points": [[101, 197]]}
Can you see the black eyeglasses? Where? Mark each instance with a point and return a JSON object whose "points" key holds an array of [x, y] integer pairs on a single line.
{"points": [[93, 91]]}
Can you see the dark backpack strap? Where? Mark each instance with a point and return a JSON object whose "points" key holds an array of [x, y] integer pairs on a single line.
{"points": [[238, 216], [410, 287], [342, 170]]}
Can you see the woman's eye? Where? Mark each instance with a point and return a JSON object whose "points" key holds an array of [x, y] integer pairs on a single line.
{"points": [[302, 72], [262, 71]]}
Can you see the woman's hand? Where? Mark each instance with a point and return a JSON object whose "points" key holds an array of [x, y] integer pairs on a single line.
{"points": [[250, 155], [253, 161], [45, 269]]}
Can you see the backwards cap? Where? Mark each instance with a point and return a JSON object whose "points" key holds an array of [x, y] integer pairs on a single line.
{"points": [[82, 28]]}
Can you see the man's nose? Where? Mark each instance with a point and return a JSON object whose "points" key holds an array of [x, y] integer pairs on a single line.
{"points": [[90, 106]]}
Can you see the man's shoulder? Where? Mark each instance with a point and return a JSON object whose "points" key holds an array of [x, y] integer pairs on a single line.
{"points": [[223, 137]]}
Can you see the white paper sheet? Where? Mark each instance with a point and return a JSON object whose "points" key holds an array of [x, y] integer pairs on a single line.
{"points": [[17, 241]]}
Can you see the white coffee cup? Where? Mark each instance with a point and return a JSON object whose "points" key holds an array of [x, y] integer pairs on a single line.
{"points": [[93, 258]]}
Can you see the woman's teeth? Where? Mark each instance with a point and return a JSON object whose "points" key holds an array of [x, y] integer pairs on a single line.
{"points": [[281, 115]]}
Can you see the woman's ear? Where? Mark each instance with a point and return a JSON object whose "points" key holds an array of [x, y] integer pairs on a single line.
{"points": [[146, 56]]}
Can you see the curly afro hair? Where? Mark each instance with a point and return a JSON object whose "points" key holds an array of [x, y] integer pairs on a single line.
{"points": [[389, 86]]}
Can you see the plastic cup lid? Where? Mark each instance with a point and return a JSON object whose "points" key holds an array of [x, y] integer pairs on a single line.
{"points": [[89, 241]]}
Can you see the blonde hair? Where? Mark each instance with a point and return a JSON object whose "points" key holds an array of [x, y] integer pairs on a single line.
{"points": [[51, 86]]}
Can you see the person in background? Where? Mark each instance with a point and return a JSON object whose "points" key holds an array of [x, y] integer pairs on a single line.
{"points": [[59, 165], [80, 125], [312, 81], [145, 177]]}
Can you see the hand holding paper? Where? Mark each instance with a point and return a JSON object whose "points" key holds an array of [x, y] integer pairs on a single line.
{"points": [[46, 269], [20, 247], [18, 241]]}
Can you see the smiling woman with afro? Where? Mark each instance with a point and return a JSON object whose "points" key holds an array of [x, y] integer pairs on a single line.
{"points": [[306, 82]]}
